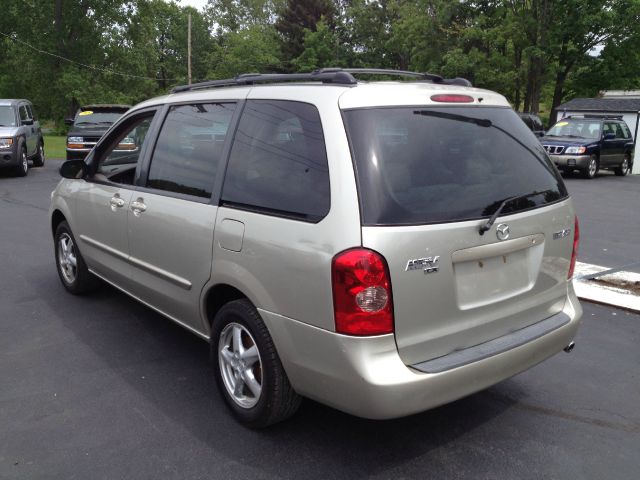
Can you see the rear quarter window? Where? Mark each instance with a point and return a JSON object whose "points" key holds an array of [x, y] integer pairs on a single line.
{"points": [[422, 165], [278, 162]]}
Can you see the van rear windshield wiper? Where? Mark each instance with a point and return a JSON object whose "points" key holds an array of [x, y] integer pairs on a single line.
{"points": [[481, 122], [487, 226]]}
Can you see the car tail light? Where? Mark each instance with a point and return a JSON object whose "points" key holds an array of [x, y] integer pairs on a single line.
{"points": [[574, 253], [362, 299], [452, 98]]}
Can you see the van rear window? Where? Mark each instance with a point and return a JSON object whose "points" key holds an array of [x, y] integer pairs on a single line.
{"points": [[422, 165]]}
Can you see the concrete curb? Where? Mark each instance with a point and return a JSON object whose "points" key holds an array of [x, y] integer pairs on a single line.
{"points": [[621, 289]]}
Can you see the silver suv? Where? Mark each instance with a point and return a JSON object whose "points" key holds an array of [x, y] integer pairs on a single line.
{"points": [[20, 137], [380, 247]]}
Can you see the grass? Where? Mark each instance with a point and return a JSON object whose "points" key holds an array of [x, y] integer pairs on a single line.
{"points": [[54, 146]]}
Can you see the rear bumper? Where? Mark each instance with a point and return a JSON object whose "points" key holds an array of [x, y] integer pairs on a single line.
{"points": [[570, 161], [367, 378]]}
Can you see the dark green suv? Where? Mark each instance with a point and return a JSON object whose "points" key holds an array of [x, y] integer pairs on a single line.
{"points": [[589, 143]]}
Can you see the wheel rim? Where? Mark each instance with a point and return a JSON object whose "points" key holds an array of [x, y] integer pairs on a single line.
{"points": [[67, 259], [593, 166], [41, 153], [240, 365], [25, 162], [625, 166]]}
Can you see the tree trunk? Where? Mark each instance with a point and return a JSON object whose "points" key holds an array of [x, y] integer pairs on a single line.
{"points": [[517, 53]]}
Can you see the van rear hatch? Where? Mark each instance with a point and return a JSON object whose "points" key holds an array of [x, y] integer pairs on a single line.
{"points": [[428, 178]]}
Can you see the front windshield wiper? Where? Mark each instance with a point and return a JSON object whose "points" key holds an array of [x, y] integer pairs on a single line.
{"points": [[487, 226]]}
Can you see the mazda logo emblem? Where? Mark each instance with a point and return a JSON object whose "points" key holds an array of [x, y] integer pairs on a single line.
{"points": [[502, 231]]}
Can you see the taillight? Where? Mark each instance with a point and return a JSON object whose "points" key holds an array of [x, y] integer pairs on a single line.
{"points": [[361, 293], [452, 98], [574, 253]]}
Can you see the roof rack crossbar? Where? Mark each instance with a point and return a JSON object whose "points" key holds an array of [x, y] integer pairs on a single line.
{"points": [[340, 76]]}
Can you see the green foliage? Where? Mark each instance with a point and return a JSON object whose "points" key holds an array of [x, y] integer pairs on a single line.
{"points": [[299, 16], [252, 49], [321, 49]]}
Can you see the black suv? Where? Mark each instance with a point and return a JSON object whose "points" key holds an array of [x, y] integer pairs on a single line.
{"points": [[89, 125], [533, 122], [589, 143]]}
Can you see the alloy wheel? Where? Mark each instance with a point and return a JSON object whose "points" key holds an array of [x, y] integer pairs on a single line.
{"points": [[67, 259], [240, 365]]}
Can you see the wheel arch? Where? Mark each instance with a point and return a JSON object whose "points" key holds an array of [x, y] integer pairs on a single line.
{"points": [[57, 217], [216, 296]]}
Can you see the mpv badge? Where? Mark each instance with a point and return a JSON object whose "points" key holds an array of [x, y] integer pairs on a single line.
{"points": [[502, 231], [426, 264]]}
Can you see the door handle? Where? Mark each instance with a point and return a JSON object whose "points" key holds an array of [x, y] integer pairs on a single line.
{"points": [[116, 202], [138, 207]]}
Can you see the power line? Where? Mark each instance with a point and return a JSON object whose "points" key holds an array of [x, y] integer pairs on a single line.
{"points": [[92, 67]]}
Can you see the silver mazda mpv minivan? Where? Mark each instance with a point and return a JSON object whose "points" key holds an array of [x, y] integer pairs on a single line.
{"points": [[380, 247]]}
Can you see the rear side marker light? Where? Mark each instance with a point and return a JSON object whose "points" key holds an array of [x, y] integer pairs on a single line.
{"points": [[362, 297], [574, 252], [451, 98]]}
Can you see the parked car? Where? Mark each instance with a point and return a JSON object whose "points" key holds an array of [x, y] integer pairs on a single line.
{"points": [[380, 247], [589, 143], [533, 122], [20, 136], [87, 127]]}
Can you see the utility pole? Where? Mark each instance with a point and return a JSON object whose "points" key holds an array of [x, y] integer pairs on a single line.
{"points": [[189, 48]]}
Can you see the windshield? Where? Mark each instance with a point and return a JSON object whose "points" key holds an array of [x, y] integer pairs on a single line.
{"points": [[577, 128], [433, 165], [90, 118], [7, 116]]}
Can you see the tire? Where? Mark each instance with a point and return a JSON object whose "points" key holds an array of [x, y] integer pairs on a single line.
{"points": [[624, 167], [23, 168], [38, 160], [592, 168], [254, 385], [72, 270]]}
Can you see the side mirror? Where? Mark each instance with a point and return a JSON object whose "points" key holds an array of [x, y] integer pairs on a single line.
{"points": [[609, 136], [74, 169], [68, 121], [28, 121]]}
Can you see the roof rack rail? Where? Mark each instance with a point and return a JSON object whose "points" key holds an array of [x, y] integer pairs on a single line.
{"points": [[595, 115], [340, 76], [405, 73], [335, 76]]}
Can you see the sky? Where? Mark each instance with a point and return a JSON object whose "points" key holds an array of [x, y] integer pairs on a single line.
{"points": [[193, 3]]}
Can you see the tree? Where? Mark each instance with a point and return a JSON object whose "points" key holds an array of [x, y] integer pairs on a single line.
{"points": [[297, 16]]}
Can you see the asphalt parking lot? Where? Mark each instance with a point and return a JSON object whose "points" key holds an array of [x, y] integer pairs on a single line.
{"points": [[102, 387], [609, 218]]}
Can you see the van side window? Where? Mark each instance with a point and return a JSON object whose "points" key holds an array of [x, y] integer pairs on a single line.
{"points": [[278, 162], [625, 129], [189, 148], [121, 153]]}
